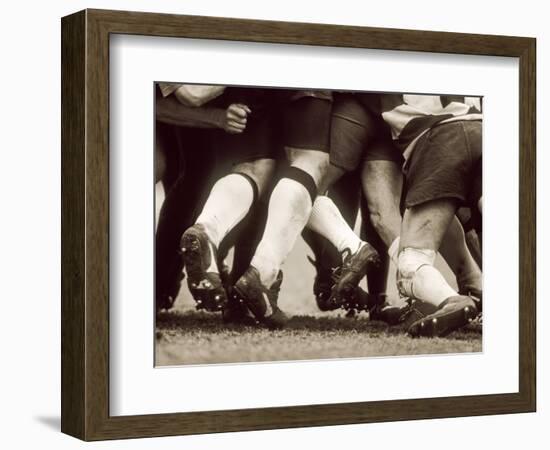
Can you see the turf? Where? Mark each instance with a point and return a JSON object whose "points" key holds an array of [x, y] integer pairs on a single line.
{"points": [[189, 337]]}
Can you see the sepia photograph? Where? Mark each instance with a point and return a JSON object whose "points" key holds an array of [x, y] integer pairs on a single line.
{"points": [[308, 224]]}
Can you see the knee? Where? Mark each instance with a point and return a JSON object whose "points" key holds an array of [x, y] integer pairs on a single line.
{"points": [[322, 175], [409, 261], [260, 172], [314, 163], [377, 219]]}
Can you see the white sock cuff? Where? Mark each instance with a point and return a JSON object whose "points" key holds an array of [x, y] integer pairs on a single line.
{"points": [[411, 259], [418, 278]]}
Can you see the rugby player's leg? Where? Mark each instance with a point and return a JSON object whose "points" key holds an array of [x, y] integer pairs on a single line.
{"points": [[289, 209], [179, 211], [306, 125], [352, 127], [456, 253], [344, 192], [422, 232], [439, 178], [471, 223], [382, 185], [229, 201], [382, 182], [232, 197]]}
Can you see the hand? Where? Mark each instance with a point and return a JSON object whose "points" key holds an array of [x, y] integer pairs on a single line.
{"points": [[235, 118]]}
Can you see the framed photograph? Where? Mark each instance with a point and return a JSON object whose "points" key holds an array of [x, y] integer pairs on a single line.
{"points": [[273, 225]]}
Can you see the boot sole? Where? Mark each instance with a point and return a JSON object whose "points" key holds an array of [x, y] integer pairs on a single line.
{"points": [[440, 324], [206, 287]]}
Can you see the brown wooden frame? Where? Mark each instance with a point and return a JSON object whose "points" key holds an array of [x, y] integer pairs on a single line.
{"points": [[85, 224]]}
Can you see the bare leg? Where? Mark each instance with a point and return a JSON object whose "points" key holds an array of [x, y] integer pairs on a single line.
{"points": [[382, 185], [424, 226], [455, 251], [423, 229]]}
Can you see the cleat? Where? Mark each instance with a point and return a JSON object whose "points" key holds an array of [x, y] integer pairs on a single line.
{"points": [[351, 272], [363, 301], [322, 286], [475, 293], [235, 312], [452, 314], [403, 313], [197, 252], [261, 301]]}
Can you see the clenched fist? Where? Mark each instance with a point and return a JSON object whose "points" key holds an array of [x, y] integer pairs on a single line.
{"points": [[235, 118]]}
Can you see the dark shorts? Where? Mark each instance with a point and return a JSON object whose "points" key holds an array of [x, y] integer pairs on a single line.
{"points": [[306, 122], [357, 135], [446, 163], [279, 119]]}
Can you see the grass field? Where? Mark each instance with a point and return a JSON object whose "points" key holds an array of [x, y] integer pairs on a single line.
{"points": [[200, 338], [184, 336]]}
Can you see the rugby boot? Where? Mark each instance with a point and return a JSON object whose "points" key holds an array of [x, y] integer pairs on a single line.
{"points": [[452, 314], [236, 312], [352, 270], [322, 286], [260, 300], [205, 286]]}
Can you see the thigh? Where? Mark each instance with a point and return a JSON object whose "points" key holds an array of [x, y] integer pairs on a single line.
{"points": [[352, 130], [382, 182]]}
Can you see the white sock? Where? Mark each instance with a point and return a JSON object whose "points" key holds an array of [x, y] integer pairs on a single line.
{"points": [[418, 278], [229, 201], [393, 251], [327, 220], [288, 213]]}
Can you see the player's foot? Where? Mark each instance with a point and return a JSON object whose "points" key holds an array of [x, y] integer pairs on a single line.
{"points": [[351, 272], [322, 286], [261, 301], [475, 293], [205, 285], [452, 314], [404, 313], [363, 301], [236, 312]]}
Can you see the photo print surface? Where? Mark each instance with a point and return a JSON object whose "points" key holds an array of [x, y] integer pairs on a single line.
{"points": [[299, 224]]}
